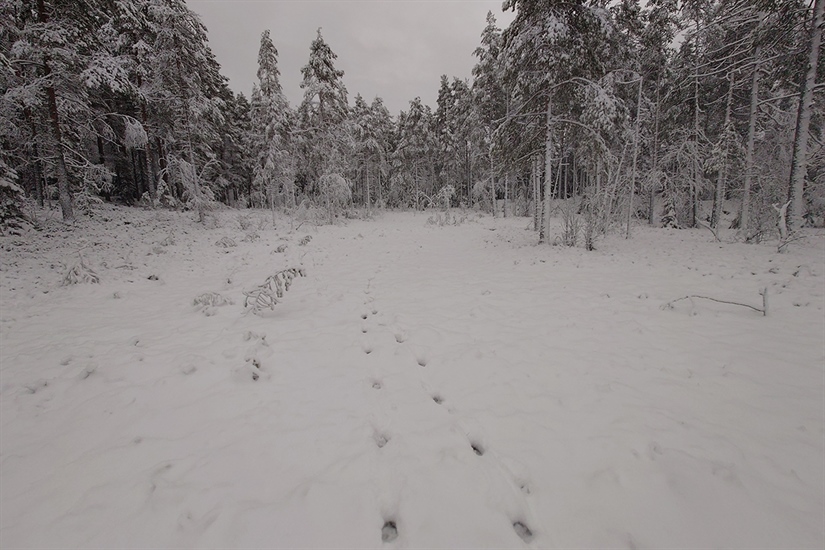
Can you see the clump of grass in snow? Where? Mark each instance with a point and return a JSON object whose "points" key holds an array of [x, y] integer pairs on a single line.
{"points": [[80, 273], [267, 295]]}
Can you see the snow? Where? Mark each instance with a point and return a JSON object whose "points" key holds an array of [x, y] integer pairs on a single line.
{"points": [[422, 386]]}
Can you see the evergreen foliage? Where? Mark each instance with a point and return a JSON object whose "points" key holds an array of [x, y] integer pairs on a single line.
{"points": [[698, 106]]}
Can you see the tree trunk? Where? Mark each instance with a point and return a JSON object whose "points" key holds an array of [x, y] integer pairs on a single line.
{"points": [[651, 212], [697, 174], [635, 158], [492, 178], [535, 180], [39, 191], [54, 117], [719, 199], [506, 190], [367, 175], [548, 173], [150, 158], [415, 178], [799, 164], [744, 215]]}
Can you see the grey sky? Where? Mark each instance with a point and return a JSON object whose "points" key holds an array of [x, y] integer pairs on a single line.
{"points": [[396, 49]]}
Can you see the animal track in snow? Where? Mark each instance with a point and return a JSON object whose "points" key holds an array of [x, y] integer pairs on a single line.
{"points": [[380, 439], [376, 384], [400, 337], [367, 348], [389, 532], [421, 360], [523, 531], [256, 367], [438, 399], [477, 448]]}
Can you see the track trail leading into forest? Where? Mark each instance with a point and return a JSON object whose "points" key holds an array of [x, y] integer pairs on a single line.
{"points": [[422, 386]]}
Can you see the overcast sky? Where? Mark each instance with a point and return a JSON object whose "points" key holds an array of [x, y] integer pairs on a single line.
{"points": [[396, 49]]}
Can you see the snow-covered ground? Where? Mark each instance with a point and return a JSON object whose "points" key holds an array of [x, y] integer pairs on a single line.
{"points": [[432, 386]]}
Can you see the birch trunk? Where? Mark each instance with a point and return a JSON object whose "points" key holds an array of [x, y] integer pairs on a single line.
{"points": [[548, 173]]}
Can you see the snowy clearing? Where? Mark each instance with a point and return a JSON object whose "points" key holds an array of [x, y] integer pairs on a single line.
{"points": [[421, 386]]}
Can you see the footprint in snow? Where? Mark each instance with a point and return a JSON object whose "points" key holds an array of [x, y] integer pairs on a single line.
{"points": [[367, 348], [380, 439], [389, 532], [376, 384], [438, 399], [477, 448], [523, 531]]}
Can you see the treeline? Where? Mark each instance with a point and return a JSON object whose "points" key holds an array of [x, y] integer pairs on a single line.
{"points": [[635, 111]]}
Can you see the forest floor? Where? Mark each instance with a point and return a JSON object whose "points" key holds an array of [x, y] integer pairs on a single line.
{"points": [[424, 385]]}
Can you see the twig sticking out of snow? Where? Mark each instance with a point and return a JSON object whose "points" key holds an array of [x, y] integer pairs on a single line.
{"points": [[712, 230], [272, 290], [788, 239], [80, 273], [763, 310]]}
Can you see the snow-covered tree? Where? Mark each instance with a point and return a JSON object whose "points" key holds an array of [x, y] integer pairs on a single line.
{"points": [[274, 169], [325, 133]]}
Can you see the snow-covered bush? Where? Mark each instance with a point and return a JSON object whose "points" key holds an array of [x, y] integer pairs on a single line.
{"points": [[208, 301], [196, 194], [591, 213], [80, 273], [12, 218], [335, 189], [570, 223], [97, 179], [481, 192], [306, 212], [444, 196]]}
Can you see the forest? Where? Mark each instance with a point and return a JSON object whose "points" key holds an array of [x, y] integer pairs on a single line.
{"points": [[644, 112], [234, 322]]}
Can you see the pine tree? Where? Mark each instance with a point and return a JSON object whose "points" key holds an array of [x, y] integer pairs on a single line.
{"points": [[273, 170], [552, 46], [324, 115], [488, 90], [799, 163], [416, 149]]}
